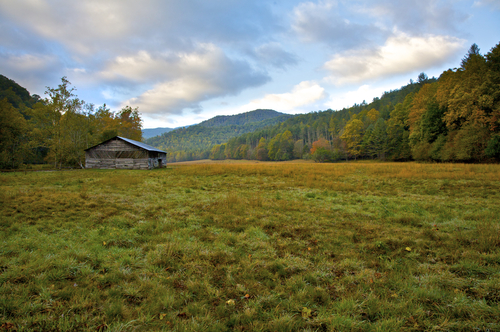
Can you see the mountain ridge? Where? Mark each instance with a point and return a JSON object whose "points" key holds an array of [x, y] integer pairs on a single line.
{"points": [[218, 130], [152, 132], [220, 121], [241, 118]]}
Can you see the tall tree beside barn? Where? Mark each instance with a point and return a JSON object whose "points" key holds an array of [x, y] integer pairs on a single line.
{"points": [[130, 123], [58, 124]]}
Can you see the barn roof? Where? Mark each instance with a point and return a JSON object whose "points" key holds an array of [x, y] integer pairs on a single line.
{"points": [[131, 141]]}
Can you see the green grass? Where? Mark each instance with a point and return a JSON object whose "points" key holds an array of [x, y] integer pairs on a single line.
{"points": [[252, 247]]}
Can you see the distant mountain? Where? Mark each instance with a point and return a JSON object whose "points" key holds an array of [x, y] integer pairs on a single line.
{"points": [[241, 119], [152, 132], [201, 137]]}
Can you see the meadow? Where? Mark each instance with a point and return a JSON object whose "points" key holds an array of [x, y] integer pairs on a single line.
{"points": [[252, 247]]}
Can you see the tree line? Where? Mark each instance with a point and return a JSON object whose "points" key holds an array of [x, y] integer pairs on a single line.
{"points": [[455, 118], [56, 129]]}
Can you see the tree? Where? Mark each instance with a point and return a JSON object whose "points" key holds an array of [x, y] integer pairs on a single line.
{"points": [[321, 143], [473, 52], [75, 129], [298, 149], [398, 147], [322, 155], [422, 78], [281, 146], [432, 123], [106, 124], [13, 136], [243, 151], [489, 100], [373, 115], [53, 116], [286, 145], [426, 122], [462, 101], [217, 152], [262, 152], [375, 140], [130, 123], [353, 135], [321, 150], [493, 148]]}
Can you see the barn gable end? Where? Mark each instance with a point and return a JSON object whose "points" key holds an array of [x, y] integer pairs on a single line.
{"points": [[123, 153]]}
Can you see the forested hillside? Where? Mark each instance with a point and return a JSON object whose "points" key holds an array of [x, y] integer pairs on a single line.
{"points": [[195, 142], [241, 119], [58, 128], [454, 118]]}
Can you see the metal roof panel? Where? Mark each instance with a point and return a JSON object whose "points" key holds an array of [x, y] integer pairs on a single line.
{"points": [[140, 144]]}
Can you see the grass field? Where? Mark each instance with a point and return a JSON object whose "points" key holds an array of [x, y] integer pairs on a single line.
{"points": [[252, 247]]}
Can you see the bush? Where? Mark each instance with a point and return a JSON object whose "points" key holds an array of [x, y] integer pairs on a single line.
{"points": [[493, 148], [322, 155]]}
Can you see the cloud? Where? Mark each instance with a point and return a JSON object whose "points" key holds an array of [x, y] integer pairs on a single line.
{"points": [[29, 69], [182, 80], [415, 17], [495, 4], [399, 55], [347, 99], [304, 93], [325, 22], [95, 27], [342, 24], [274, 55]]}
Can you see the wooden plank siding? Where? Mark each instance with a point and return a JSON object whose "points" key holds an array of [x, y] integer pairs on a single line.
{"points": [[124, 163]]}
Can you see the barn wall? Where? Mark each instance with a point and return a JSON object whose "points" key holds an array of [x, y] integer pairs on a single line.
{"points": [[157, 159], [120, 163]]}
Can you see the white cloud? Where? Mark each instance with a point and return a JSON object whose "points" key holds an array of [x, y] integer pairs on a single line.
{"points": [[400, 54], [79, 26], [93, 27], [181, 80], [302, 94], [328, 22], [145, 66], [347, 99], [173, 97]]}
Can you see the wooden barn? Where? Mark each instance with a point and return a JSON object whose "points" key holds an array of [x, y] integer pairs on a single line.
{"points": [[123, 153]]}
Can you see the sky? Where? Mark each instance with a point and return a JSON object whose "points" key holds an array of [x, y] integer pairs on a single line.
{"points": [[184, 61]]}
